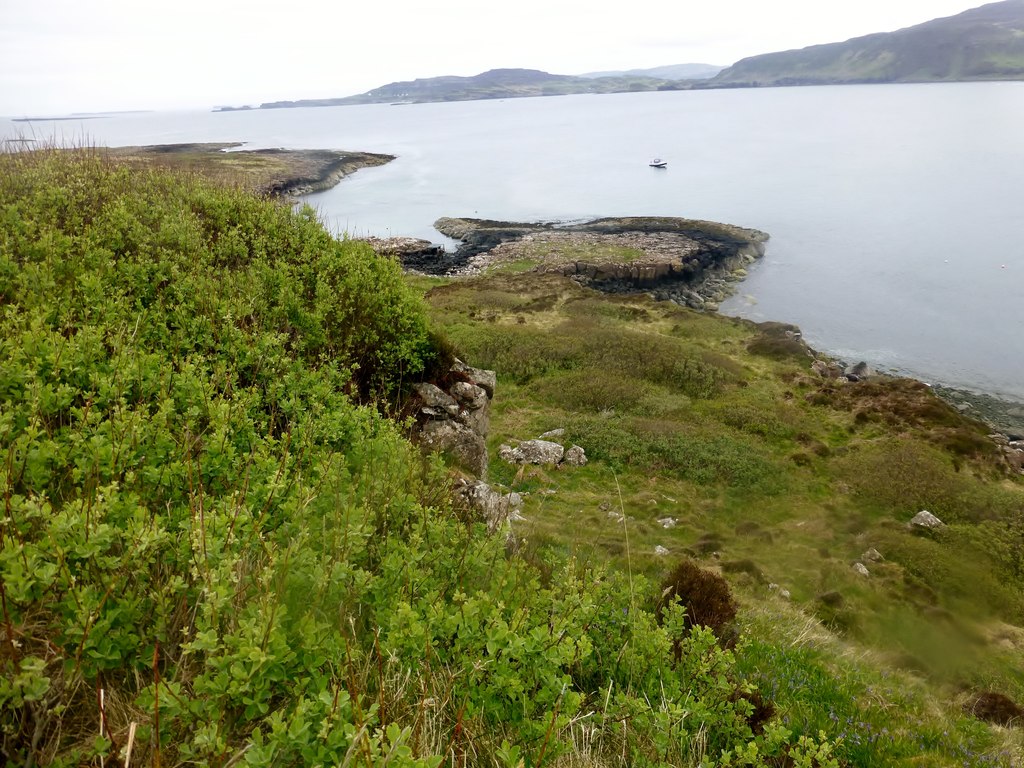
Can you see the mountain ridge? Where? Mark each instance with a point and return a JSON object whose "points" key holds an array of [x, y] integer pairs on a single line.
{"points": [[984, 43], [491, 84]]}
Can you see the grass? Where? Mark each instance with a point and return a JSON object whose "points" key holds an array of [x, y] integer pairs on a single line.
{"points": [[774, 476]]}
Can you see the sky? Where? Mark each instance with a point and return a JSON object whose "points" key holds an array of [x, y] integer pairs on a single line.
{"points": [[66, 56]]}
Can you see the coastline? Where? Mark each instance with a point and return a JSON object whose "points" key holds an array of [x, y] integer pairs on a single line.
{"points": [[271, 172], [696, 264], [290, 173], [1003, 415]]}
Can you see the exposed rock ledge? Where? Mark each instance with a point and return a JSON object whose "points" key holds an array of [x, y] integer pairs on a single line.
{"points": [[688, 261]]}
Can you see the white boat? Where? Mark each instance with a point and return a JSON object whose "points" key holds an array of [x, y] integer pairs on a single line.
{"points": [[658, 163]]}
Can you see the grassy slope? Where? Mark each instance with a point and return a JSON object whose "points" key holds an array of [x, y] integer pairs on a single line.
{"points": [[211, 553], [775, 477], [199, 522]]}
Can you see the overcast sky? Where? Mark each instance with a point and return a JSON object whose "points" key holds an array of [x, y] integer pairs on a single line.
{"points": [[61, 56]]}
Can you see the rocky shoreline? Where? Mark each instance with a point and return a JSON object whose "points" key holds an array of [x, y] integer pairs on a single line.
{"points": [[693, 263], [1004, 416]]}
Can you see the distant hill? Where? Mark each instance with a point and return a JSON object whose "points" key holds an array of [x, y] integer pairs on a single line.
{"points": [[669, 72], [493, 84], [985, 43]]}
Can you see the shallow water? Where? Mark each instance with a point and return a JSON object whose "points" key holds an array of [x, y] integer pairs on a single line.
{"points": [[896, 212]]}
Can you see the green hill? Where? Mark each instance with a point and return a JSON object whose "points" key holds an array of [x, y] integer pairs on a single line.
{"points": [[217, 549], [985, 43], [493, 84]]}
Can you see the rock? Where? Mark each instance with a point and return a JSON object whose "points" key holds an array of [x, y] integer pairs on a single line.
{"points": [[783, 593], [436, 398], [407, 249], [575, 457], [861, 371], [660, 551], [468, 395], [532, 452], [552, 433], [820, 367], [925, 520], [861, 569], [667, 522], [473, 402], [488, 380], [462, 442], [457, 422], [872, 556], [497, 509]]}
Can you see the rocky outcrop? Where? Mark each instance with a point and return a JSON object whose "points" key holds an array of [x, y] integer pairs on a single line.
{"points": [[1012, 449], [456, 421], [532, 452], [545, 452], [575, 457], [925, 521], [495, 508], [416, 255], [688, 261], [831, 369], [872, 556]]}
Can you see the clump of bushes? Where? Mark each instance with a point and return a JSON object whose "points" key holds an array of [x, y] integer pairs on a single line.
{"points": [[995, 707], [704, 594], [779, 341]]}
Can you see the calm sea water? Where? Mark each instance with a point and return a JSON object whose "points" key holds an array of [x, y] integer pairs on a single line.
{"points": [[896, 212]]}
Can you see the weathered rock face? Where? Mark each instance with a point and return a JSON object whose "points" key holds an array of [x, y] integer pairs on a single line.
{"points": [[496, 509], [467, 447], [925, 521], [575, 457], [543, 451], [417, 255], [533, 452], [488, 380], [872, 556], [456, 422]]}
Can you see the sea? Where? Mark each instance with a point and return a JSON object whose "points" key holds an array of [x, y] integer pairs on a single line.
{"points": [[896, 212]]}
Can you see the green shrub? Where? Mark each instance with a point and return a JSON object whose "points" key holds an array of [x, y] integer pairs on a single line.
{"points": [[658, 444]]}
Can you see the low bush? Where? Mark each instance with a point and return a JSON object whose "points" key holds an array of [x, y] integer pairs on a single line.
{"points": [[704, 595]]}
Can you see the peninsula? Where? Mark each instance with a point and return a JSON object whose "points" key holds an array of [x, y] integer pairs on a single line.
{"points": [[284, 172]]}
